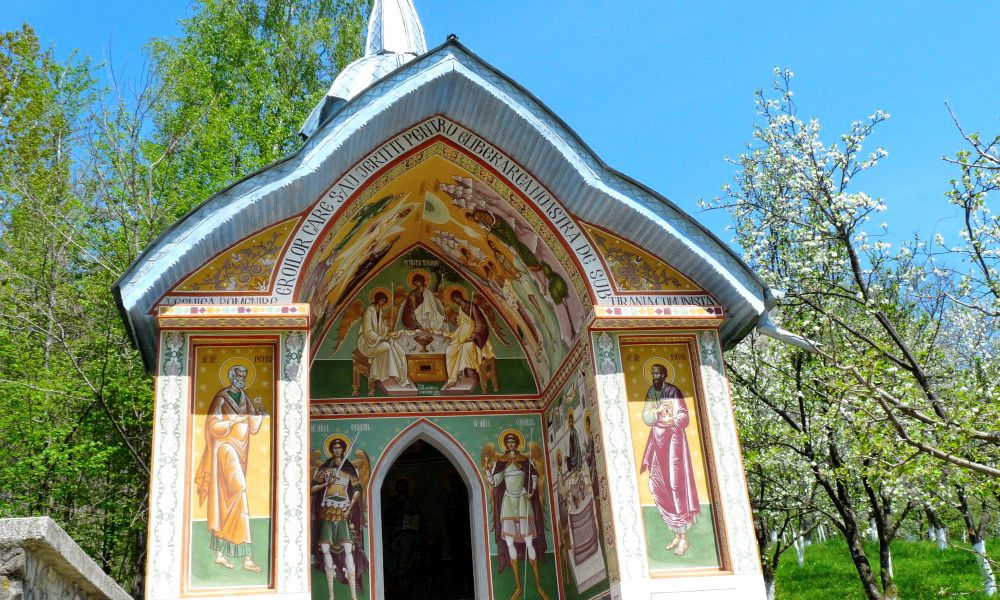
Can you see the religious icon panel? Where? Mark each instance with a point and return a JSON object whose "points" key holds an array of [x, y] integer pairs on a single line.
{"points": [[230, 506], [419, 327], [583, 517], [409, 514], [666, 421]]}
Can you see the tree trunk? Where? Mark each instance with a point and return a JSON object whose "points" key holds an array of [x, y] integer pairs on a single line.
{"points": [[800, 550], [942, 539], [977, 535], [768, 572], [862, 565], [989, 579]]}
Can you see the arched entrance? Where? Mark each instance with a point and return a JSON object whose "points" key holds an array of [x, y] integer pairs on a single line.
{"points": [[426, 535], [428, 523]]}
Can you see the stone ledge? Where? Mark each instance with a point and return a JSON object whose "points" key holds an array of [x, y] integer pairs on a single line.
{"points": [[26, 540]]}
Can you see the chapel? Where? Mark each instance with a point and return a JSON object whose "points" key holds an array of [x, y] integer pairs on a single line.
{"points": [[443, 351]]}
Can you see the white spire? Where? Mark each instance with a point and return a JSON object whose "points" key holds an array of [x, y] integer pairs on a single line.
{"points": [[394, 27]]}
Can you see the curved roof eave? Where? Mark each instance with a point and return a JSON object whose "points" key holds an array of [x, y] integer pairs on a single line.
{"points": [[452, 81]]}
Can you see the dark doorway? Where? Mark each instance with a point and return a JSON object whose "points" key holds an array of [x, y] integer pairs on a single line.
{"points": [[426, 536]]}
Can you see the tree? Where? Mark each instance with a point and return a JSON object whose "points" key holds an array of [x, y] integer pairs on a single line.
{"points": [[872, 407], [804, 228], [88, 177]]}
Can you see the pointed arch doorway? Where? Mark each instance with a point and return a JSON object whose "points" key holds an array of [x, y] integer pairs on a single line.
{"points": [[428, 520]]}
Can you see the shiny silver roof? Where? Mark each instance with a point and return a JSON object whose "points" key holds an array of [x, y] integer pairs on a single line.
{"points": [[452, 81]]}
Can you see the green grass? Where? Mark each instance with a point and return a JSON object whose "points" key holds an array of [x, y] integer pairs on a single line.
{"points": [[922, 572]]}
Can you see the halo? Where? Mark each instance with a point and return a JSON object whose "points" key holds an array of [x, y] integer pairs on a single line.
{"points": [[336, 436], [426, 274], [384, 290], [648, 365], [451, 288], [232, 362], [511, 431]]}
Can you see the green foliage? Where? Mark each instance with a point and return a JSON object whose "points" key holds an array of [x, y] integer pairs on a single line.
{"points": [[89, 175], [239, 82]]}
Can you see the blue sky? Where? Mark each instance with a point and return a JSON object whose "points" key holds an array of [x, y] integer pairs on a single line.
{"points": [[663, 90]]}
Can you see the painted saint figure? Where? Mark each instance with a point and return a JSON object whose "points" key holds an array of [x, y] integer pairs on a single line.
{"points": [[221, 477], [574, 457], [422, 309], [470, 342], [337, 490], [518, 520], [668, 458], [378, 343]]}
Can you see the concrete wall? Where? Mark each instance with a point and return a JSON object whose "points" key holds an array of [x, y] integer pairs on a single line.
{"points": [[39, 561]]}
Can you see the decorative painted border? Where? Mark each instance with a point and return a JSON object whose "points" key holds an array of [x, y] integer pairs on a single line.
{"points": [[661, 311], [728, 458], [239, 316], [166, 497], [293, 500], [662, 324], [611, 402], [422, 407]]}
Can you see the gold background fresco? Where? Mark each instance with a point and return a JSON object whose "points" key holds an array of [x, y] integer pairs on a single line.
{"points": [[676, 356], [212, 362]]}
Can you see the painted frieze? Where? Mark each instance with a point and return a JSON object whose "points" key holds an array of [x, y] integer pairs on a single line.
{"points": [[419, 327], [443, 200]]}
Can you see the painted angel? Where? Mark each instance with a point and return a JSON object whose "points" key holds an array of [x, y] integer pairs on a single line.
{"points": [[518, 519], [338, 513]]}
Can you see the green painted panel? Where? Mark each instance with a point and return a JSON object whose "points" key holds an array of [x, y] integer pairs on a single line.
{"points": [[205, 573]]}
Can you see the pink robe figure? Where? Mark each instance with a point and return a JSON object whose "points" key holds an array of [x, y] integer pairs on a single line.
{"points": [[668, 459]]}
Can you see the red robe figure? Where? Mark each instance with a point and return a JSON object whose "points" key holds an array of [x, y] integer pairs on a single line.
{"points": [[668, 458]]}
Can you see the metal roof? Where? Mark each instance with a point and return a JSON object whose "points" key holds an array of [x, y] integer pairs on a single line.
{"points": [[452, 81]]}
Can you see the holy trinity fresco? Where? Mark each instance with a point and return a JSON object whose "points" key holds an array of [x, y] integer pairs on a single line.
{"points": [[419, 327], [232, 447], [583, 519], [424, 509], [466, 217], [664, 418]]}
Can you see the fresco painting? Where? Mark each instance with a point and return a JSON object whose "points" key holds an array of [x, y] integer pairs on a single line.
{"points": [[508, 453], [339, 512], [420, 328], [583, 518], [230, 541], [674, 486], [633, 269], [247, 267], [466, 215]]}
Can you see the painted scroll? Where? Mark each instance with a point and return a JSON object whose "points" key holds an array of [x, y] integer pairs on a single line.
{"points": [[232, 450]]}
